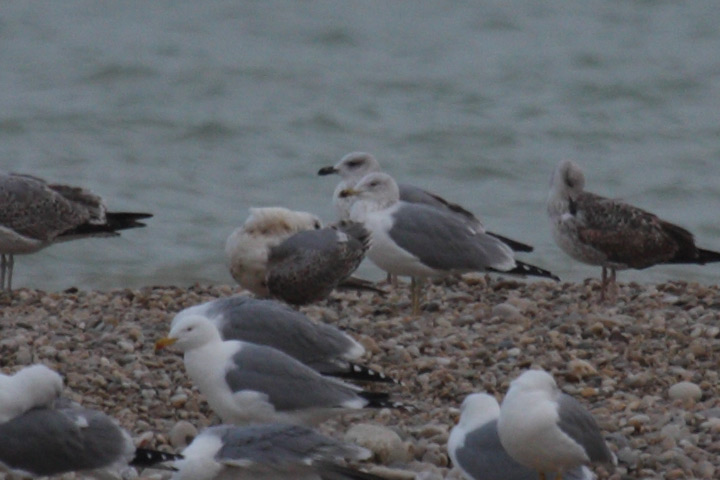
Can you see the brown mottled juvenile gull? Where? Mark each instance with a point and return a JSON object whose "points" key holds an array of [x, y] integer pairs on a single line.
{"points": [[35, 214], [248, 383], [547, 430], [612, 234], [320, 346], [355, 165], [248, 246], [307, 266], [421, 241], [474, 446], [273, 451]]}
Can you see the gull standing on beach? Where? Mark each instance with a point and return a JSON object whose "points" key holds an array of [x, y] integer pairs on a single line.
{"points": [[273, 451], [474, 446], [355, 165], [320, 346], [612, 234], [422, 241], [35, 214], [248, 383], [547, 430]]}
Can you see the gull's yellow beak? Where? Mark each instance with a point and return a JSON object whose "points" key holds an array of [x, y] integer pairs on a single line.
{"points": [[164, 342], [348, 192]]}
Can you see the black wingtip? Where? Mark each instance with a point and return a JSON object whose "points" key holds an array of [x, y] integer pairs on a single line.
{"points": [[513, 244], [522, 268], [361, 373], [382, 400], [145, 457]]}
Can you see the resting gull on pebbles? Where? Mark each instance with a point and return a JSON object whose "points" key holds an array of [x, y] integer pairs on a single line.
{"points": [[355, 165], [308, 265], [248, 246], [422, 241], [612, 234], [35, 214], [267, 322], [56, 436], [474, 446], [547, 430], [248, 383], [289, 255], [272, 451]]}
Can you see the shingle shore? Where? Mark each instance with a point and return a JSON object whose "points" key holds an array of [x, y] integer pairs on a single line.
{"points": [[477, 334]]}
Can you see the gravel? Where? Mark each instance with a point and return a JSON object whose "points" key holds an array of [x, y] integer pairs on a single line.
{"points": [[646, 365]]}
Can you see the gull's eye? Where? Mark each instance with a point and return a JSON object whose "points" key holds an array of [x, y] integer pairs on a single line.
{"points": [[354, 163]]}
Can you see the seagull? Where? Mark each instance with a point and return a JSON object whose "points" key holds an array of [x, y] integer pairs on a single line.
{"points": [[53, 435], [248, 383], [612, 234], [34, 386], [308, 265], [547, 430], [272, 451], [422, 241], [355, 165], [35, 215], [248, 246], [474, 445], [320, 346]]}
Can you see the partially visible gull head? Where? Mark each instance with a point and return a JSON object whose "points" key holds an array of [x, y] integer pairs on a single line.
{"points": [[190, 332], [354, 165]]}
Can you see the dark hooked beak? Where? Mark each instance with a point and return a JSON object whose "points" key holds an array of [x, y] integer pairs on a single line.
{"points": [[327, 171]]}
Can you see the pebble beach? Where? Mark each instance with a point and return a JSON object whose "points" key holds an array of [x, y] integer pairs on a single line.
{"points": [[646, 365]]}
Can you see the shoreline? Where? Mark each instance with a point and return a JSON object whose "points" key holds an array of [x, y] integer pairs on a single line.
{"points": [[474, 334]]}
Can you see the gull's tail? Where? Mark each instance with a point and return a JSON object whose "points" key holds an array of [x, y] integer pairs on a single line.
{"points": [[361, 373], [145, 457]]}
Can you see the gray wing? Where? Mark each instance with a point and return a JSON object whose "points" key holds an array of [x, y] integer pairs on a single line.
{"points": [[279, 445], [483, 457], [50, 442], [307, 266], [443, 242], [30, 207], [289, 384], [270, 323], [580, 425]]}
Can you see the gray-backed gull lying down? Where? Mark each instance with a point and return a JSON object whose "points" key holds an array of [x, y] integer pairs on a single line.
{"points": [[320, 346]]}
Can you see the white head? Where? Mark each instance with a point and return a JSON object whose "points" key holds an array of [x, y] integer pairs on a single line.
{"points": [[567, 180], [41, 383], [533, 381], [353, 166], [377, 190], [478, 409], [190, 332], [279, 221]]}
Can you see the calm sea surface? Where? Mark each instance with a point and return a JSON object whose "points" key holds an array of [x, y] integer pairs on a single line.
{"points": [[195, 111]]}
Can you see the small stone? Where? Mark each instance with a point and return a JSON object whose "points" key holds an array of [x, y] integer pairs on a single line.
{"points": [[506, 311], [685, 391], [385, 444], [182, 433], [580, 368]]}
